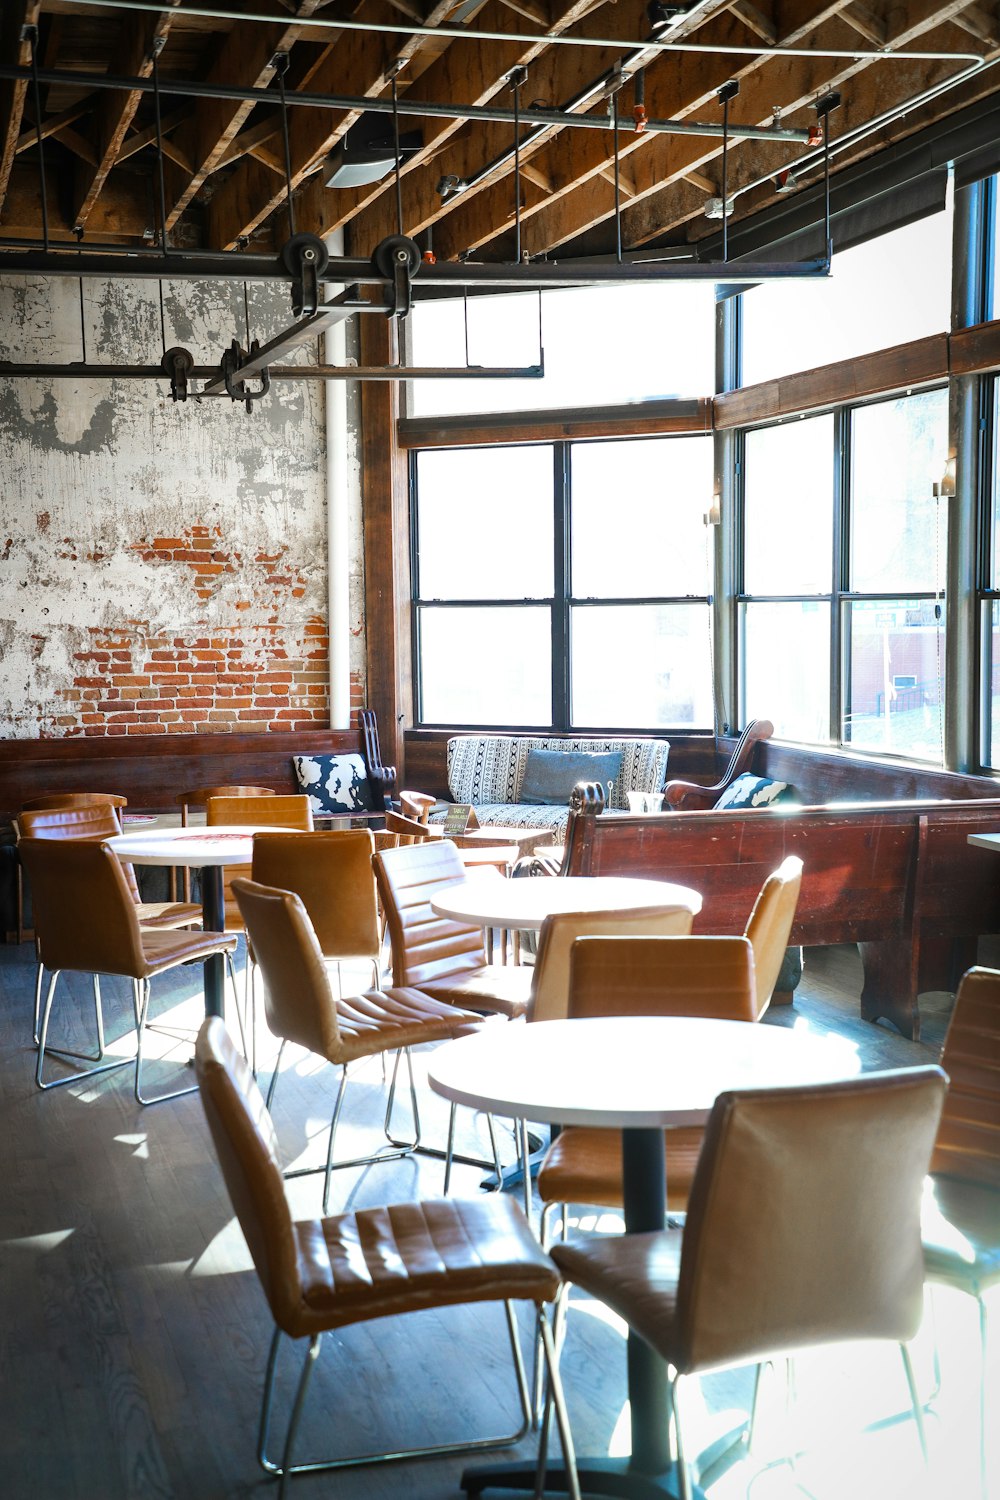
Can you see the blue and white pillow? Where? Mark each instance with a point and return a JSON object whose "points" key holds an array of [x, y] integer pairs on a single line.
{"points": [[334, 784], [756, 791]]}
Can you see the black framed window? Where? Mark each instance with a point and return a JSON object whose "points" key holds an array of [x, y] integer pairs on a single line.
{"points": [[564, 585], [844, 557], [989, 593]]}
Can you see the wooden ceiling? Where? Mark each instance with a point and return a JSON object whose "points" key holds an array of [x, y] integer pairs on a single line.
{"points": [[224, 170]]}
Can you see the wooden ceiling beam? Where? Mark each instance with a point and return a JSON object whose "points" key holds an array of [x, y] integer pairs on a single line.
{"points": [[866, 23], [121, 215], [762, 26], [583, 201], [133, 57], [51, 124], [140, 139], [467, 74], [980, 24], [245, 58], [361, 65], [15, 15]]}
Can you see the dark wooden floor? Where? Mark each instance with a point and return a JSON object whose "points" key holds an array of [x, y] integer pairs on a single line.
{"points": [[133, 1332]]}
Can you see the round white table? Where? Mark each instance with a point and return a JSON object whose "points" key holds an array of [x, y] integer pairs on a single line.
{"points": [[206, 850], [640, 1074], [524, 904]]}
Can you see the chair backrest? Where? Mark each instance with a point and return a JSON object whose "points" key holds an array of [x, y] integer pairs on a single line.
{"points": [[425, 947], [822, 1182], [73, 799], [662, 976], [298, 1000], [281, 810], [87, 820], [332, 873], [416, 805], [968, 1142], [550, 980], [248, 1155], [85, 916], [770, 924], [410, 830], [201, 796]]}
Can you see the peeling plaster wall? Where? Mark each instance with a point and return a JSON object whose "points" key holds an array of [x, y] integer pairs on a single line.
{"points": [[162, 567]]}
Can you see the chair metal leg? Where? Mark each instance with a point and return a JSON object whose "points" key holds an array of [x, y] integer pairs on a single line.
{"points": [[982, 1394], [402, 1146], [449, 1149], [274, 1076], [231, 967], [143, 1003], [287, 1466], [918, 1411], [554, 1398], [76, 1077], [39, 970], [328, 1178], [683, 1472]]}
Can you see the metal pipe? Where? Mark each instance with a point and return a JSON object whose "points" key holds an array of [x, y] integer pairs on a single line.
{"points": [[341, 468], [526, 277], [552, 38], [276, 372], [351, 102]]}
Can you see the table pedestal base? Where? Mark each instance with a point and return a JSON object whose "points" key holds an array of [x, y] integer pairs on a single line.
{"points": [[598, 1476]]}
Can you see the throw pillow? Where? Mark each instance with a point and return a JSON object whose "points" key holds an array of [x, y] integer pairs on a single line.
{"points": [[756, 791], [551, 775], [333, 783]]}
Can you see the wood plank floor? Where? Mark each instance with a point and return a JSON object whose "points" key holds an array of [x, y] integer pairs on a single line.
{"points": [[133, 1333]]}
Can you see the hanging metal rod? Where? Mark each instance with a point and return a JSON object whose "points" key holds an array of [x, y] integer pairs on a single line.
{"points": [[276, 372], [553, 38], [488, 112], [150, 264]]}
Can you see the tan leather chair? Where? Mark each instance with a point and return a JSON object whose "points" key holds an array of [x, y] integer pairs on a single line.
{"points": [[301, 1007], [201, 798], [322, 1274], [276, 810], [445, 960], [98, 820], [839, 1168], [961, 1223], [409, 830], [770, 925], [53, 801], [86, 922]]}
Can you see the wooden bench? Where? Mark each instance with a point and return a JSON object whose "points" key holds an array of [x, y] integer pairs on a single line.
{"points": [[890, 870]]}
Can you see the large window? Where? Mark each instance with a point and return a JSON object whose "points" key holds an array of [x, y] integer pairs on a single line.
{"points": [[844, 572], [603, 346], [990, 593], [564, 585], [887, 291]]}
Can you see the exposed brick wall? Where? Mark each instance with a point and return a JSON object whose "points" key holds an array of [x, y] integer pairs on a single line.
{"points": [[162, 568]]}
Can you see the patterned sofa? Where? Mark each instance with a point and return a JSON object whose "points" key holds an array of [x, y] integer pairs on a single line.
{"points": [[487, 770]]}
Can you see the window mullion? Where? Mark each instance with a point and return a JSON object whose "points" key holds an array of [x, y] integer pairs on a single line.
{"points": [[562, 570]]}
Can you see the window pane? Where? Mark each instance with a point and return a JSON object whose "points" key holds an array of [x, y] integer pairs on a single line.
{"points": [[896, 678], [996, 248], [484, 525], [898, 528], [638, 518], [996, 485], [789, 508], [991, 751], [641, 666], [583, 366], [486, 666], [887, 291], [787, 668]]}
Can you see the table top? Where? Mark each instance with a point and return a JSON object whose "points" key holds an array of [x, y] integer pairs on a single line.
{"points": [[227, 844], [986, 841], [526, 903], [638, 1071]]}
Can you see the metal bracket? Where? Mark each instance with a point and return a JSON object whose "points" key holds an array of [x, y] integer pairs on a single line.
{"points": [[232, 359], [306, 258], [728, 91], [827, 104], [178, 364]]}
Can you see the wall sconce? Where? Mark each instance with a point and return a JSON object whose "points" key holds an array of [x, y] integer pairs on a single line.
{"points": [[713, 516], [944, 488]]}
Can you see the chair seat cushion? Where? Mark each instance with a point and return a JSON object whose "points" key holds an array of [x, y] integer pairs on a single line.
{"points": [[635, 1275], [501, 988], [163, 950], [334, 784], [584, 1165], [410, 1256], [960, 1224], [382, 1020], [168, 914]]}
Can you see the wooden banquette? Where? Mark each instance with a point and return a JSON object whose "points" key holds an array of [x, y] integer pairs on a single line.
{"points": [[885, 848]]}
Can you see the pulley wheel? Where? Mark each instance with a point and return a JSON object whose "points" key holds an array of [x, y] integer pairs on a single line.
{"points": [[292, 254], [388, 251]]}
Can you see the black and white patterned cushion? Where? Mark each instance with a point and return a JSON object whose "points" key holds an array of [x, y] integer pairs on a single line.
{"points": [[755, 791], [333, 783]]}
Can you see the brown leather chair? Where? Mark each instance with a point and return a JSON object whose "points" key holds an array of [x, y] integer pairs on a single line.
{"points": [[53, 801], [826, 1179], [200, 798], [322, 1274], [86, 922], [728, 978], [445, 960], [99, 820], [301, 1007], [277, 810], [410, 830], [961, 1223]]}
